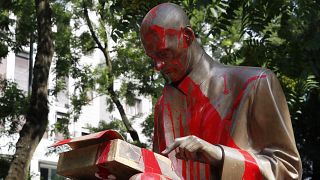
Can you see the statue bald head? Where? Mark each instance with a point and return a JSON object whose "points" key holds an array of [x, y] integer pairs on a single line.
{"points": [[167, 15], [166, 36]]}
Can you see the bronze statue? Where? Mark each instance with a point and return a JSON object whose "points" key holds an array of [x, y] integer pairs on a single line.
{"points": [[212, 120]]}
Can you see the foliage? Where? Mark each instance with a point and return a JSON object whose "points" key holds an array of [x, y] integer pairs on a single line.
{"points": [[13, 105], [24, 25], [115, 125], [147, 129], [280, 35]]}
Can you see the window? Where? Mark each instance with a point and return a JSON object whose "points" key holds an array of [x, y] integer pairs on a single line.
{"points": [[21, 70], [3, 68], [62, 97], [136, 109], [84, 133], [49, 172], [61, 119]]}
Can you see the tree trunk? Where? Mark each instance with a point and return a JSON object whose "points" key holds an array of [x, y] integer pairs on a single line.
{"points": [[115, 99], [133, 133], [37, 115]]}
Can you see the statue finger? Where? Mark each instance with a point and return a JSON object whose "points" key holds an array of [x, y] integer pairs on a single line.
{"points": [[177, 142]]}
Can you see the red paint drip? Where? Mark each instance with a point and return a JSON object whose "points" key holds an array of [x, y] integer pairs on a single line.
{"points": [[105, 147], [171, 120], [181, 126], [162, 140], [103, 157], [160, 33], [252, 171], [211, 121], [198, 170], [153, 14], [184, 169], [172, 32], [240, 95], [191, 169], [150, 162], [65, 141], [207, 171]]}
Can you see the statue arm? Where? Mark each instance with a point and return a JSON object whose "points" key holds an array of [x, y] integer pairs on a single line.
{"points": [[273, 153]]}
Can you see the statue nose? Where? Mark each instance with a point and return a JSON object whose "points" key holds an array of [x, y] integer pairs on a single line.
{"points": [[159, 65]]}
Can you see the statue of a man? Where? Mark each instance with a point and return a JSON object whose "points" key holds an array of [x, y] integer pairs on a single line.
{"points": [[212, 120]]}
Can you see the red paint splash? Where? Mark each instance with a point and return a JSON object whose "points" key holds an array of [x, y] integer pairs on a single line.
{"points": [[104, 148], [225, 90], [210, 122], [152, 15], [150, 162]]}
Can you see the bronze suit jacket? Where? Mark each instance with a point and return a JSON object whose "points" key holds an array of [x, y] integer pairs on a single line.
{"points": [[241, 109]]}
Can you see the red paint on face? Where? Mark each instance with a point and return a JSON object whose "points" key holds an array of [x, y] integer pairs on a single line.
{"points": [[152, 15], [166, 49]]}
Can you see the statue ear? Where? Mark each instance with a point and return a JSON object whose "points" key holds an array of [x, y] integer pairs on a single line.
{"points": [[188, 35]]}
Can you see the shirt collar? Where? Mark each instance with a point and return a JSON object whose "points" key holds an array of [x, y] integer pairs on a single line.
{"points": [[200, 72]]}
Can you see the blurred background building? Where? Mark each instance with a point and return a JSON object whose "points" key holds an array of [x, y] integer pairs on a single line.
{"points": [[15, 67]]}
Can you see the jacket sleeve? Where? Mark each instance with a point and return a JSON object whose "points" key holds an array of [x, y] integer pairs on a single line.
{"points": [[272, 152]]}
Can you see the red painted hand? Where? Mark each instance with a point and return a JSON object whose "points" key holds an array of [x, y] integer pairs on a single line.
{"points": [[196, 149]]}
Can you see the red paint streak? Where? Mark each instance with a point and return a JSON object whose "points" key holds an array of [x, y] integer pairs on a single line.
{"points": [[184, 169], [161, 130], [160, 34], [172, 32], [251, 168], [204, 118], [104, 154], [203, 113], [153, 14], [198, 170], [191, 170], [252, 171], [181, 126], [207, 171], [66, 141], [171, 120], [156, 144], [102, 158], [240, 95], [150, 161]]}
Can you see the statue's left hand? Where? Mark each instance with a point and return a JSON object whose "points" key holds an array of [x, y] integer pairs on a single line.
{"points": [[196, 149]]}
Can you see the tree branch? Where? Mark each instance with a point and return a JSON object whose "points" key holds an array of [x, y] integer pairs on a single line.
{"points": [[95, 37]]}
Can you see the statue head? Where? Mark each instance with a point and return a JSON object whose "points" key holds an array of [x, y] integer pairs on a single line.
{"points": [[167, 37]]}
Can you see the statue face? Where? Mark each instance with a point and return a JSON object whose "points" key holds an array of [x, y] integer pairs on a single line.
{"points": [[168, 49]]}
